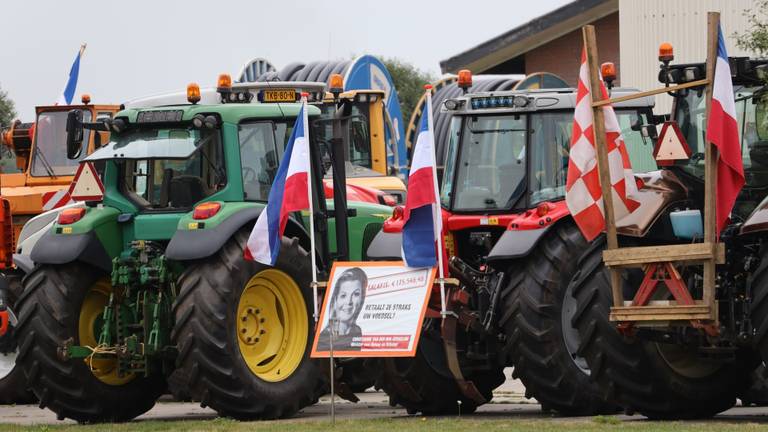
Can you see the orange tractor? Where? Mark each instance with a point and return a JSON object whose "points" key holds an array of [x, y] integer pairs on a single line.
{"points": [[34, 179]]}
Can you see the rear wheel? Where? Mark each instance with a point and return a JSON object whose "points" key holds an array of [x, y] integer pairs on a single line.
{"points": [[63, 303], [244, 333], [660, 381], [424, 384], [541, 340], [13, 384]]}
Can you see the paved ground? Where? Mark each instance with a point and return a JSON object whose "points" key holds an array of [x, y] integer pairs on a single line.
{"points": [[508, 402]]}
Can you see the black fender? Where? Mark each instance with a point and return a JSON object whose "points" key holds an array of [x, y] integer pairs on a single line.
{"points": [[66, 248], [189, 245], [516, 243], [385, 246]]}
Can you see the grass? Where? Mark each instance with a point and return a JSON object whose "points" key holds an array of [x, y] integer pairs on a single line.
{"points": [[411, 424]]}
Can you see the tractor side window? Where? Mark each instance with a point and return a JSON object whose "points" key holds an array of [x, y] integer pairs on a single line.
{"points": [[260, 157], [689, 113], [50, 150], [360, 137], [450, 162], [639, 148], [752, 118], [550, 141]]}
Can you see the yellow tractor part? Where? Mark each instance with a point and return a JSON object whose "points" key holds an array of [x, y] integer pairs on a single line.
{"points": [[272, 325], [89, 325]]}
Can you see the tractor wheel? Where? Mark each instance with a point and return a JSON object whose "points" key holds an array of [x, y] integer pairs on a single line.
{"points": [[244, 333], [424, 384], [541, 340], [65, 303], [13, 384], [660, 381]]}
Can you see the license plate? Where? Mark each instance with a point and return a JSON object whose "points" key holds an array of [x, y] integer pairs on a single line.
{"points": [[279, 95]]}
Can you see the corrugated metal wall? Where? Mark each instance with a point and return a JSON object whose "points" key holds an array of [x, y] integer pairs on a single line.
{"points": [[644, 24]]}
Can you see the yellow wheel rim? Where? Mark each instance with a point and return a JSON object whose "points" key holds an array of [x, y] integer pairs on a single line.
{"points": [[105, 369], [272, 325]]}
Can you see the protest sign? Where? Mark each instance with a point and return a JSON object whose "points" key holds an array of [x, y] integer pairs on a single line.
{"points": [[374, 309]]}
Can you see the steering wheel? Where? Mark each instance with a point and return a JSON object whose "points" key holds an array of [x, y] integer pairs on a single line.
{"points": [[249, 175]]}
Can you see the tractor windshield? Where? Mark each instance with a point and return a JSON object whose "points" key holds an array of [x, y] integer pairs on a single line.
{"points": [[49, 158], [166, 179], [487, 168], [752, 119], [491, 163]]}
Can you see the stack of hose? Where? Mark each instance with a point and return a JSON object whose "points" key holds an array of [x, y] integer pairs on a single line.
{"points": [[319, 71]]}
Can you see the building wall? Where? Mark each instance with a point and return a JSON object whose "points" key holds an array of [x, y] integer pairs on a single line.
{"points": [[683, 23], [562, 56]]}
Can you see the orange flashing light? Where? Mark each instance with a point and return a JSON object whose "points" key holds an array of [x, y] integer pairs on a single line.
{"points": [[336, 84], [224, 81], [206, 210], [465, 78], [666, 53], [193, 93], [608, 69], [85, 98], [71, 215]]}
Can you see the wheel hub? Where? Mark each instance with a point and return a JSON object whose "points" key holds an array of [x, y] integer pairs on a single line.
{"points": [[272, 325]]}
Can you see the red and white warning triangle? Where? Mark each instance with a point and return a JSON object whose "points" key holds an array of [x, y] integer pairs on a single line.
{"points": [[671, 145], [87, 185]]}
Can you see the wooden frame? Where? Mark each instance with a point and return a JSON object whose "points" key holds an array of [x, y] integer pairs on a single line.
{"points": [[709, 253]]}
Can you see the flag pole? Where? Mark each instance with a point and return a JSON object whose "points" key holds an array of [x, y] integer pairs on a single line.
{"points": [[305, 123], [436, 214], [82, 48]]}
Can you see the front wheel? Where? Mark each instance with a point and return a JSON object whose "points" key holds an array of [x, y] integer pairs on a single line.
{"points": [[244, 333], [541, 341], [660, 381], [66, 302]]}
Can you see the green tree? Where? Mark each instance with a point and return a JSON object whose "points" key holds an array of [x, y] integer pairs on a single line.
{"points": [[756, 38], [7, 109], [409, 82]]}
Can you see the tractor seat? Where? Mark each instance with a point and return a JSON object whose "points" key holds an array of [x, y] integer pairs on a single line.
{"points": [[186, 191]]}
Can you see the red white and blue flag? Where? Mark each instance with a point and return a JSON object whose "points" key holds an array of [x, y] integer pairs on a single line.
{"points": [[289, 193], [423, 223], [723, 132]]}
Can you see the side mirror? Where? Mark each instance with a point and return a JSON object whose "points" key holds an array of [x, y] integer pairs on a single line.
{"points": [[74, 134]]}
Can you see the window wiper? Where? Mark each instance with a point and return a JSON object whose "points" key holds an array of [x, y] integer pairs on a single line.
{"points": [[46, 165]]}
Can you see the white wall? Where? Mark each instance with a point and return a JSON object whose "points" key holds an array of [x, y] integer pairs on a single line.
{"points": [[644, 24]]}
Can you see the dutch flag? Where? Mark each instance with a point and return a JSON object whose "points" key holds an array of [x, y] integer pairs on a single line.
{"points": [[69, 90], [723, 132], [423, 222], [290, 192]]}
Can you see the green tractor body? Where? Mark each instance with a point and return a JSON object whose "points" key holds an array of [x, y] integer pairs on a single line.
{"points": [[151, 282]]}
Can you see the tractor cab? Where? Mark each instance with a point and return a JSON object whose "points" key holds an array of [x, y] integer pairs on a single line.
{"points": [[368, 155], [689, 112]]}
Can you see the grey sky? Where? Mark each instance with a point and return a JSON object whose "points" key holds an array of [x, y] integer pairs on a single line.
{"points": [[142, 47]]}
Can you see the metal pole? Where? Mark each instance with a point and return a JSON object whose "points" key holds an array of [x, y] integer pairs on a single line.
{"points": [[332, 323], [437, 214], [305, 122]]}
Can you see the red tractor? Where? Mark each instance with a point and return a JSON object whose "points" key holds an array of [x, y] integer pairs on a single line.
{"points": [[511, 246]]}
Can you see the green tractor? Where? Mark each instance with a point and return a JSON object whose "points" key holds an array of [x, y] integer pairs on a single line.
{"points": [[147, 289]]}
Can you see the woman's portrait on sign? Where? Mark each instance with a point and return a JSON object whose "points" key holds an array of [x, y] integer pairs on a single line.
{"points": [[346, 302]]}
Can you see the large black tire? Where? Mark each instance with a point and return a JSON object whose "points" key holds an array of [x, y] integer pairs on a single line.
{"points": [[210, 366], [660, 381], [49, 312], [13, 384], [423, 384], [541, 341]]}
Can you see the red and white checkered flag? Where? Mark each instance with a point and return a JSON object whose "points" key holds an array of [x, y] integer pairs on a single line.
{"points": [[582, 190]]}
